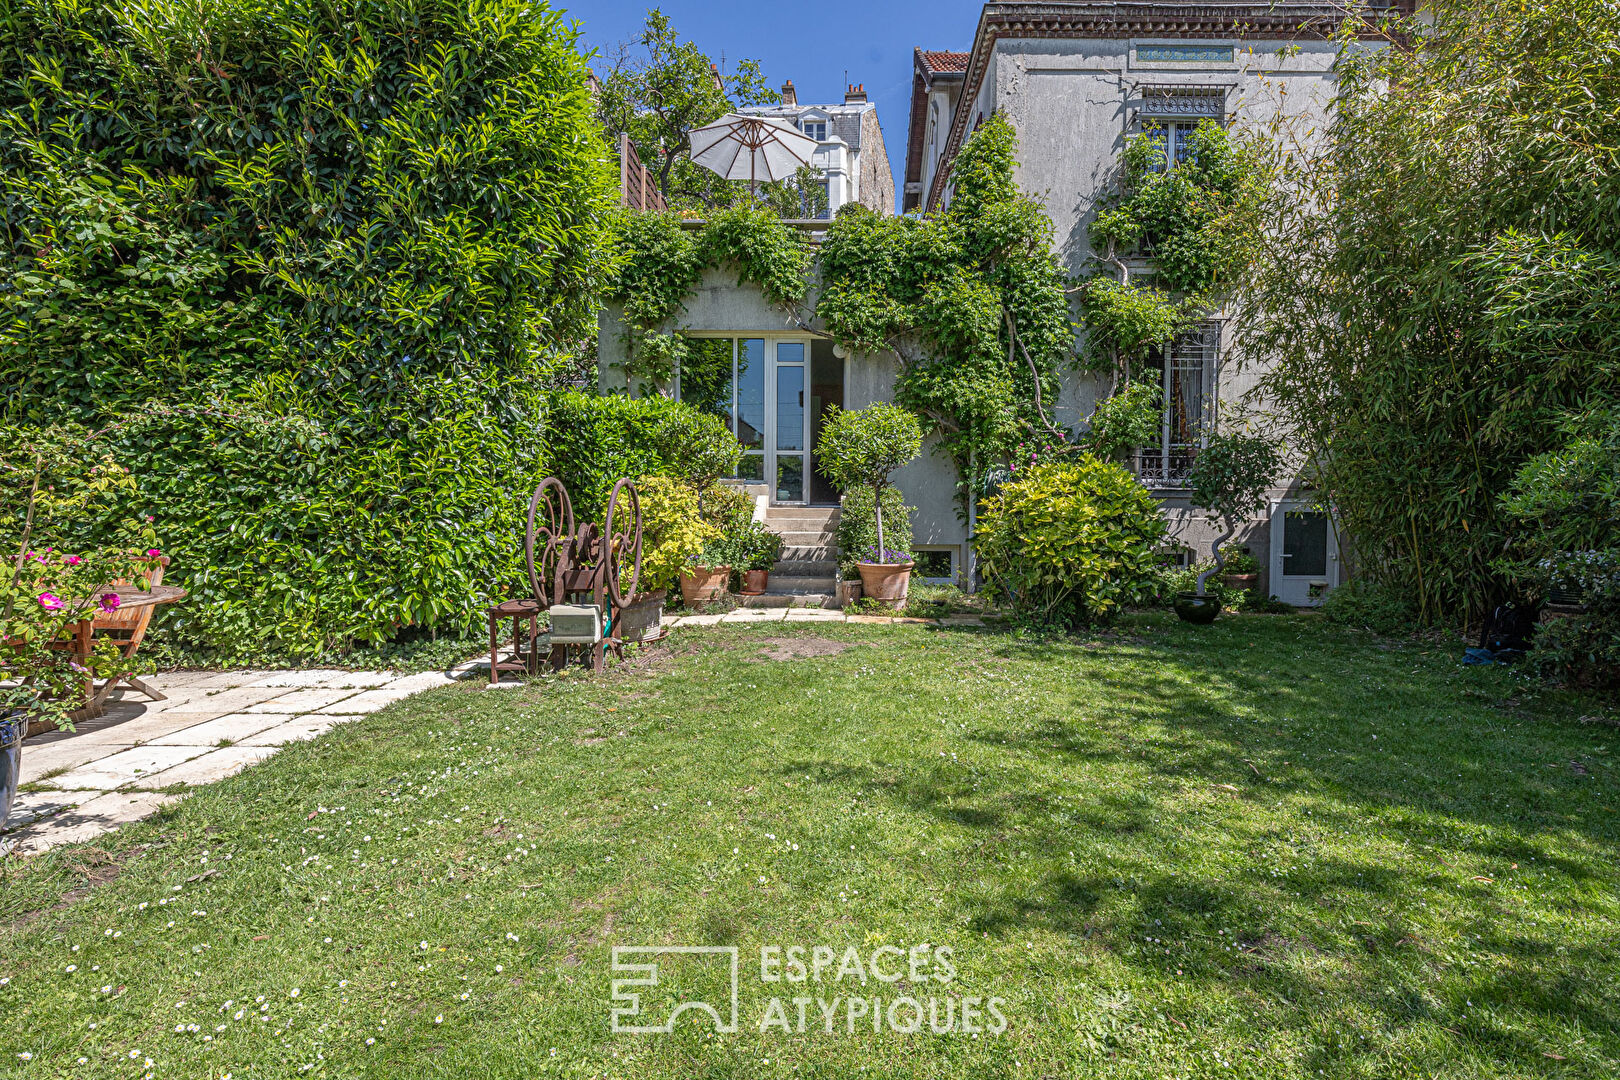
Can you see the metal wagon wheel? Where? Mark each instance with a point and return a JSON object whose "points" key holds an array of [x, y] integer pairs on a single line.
{"points": [[621, 542], [551, 528]]}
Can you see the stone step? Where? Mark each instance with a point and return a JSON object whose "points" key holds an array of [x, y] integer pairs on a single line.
{"points": [[796, 568], [804, 537], [788, 600], [801, 517], [809, 553], [806, 583]]}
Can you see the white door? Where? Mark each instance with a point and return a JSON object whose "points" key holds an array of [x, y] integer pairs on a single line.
{"points": [[1304, 553], [788, 433]]}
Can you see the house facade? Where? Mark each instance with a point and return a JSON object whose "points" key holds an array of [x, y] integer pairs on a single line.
{"points": [[850, 156], [1076, 80]]}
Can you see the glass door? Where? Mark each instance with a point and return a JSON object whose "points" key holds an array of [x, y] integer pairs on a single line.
{"points": [[760, 388], [790, 435]]}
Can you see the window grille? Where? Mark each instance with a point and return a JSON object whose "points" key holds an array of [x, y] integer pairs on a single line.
{"points": [[1185, 371]]}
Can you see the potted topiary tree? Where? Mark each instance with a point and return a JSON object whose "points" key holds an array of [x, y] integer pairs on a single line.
{"points": [[861, 449], [1229, 478]]}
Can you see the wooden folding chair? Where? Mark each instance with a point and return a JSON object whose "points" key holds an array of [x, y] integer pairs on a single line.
{"points": [[126, 629]]}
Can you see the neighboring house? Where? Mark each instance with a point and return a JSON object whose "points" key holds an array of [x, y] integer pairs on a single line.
{"points": [[1075, 79], [850, 157]]}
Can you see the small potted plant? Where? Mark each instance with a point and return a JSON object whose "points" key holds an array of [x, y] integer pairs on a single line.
{"points": [[1229, 478], [861, 449], [763, 549], [708, 574], [1242, 571]]}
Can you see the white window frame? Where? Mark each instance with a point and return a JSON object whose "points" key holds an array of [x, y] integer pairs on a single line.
{"points": [[806, 125], [953, 550]]}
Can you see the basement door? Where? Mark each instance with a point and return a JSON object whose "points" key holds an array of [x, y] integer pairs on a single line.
{"points": [[1304, 553]]}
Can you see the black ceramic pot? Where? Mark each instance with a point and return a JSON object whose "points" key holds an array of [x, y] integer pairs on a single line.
{"points": [[1197, 609]]}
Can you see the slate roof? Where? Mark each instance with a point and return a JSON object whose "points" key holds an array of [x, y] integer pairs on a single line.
{"points": [[844, 121]]}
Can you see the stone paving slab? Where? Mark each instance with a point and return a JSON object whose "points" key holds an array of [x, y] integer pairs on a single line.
{"points": [[37, 761], [131, 766], [299, 702], [209, 767], [813, 615], [754, 615], [91, 819], [876, 620], [31, 806], [291, 731], [233, 727], [146, 727]]}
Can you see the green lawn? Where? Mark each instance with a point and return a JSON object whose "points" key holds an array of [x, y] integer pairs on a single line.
{"points": [[1264, 848]]}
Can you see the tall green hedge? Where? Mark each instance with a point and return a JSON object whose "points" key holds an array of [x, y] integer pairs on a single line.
{"points": [[308, 266]]}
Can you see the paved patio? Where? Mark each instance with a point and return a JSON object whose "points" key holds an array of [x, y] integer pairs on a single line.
{"points": [[142, 755]]}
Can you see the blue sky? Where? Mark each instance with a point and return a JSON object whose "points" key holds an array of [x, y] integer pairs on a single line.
{"points": [[812, 44]]}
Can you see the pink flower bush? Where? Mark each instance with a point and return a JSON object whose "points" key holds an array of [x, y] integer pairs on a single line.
{"points": [[153, 553], [72, 560]]}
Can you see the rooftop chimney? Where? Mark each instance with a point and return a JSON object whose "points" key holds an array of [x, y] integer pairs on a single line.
{"points": [[855, 95], [789, 95]]}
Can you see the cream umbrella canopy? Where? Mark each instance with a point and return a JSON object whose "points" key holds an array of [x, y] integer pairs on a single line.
{"points": [[752, 148]]}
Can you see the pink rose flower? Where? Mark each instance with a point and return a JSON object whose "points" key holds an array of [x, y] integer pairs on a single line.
{"points": [[50, 601], [72, 560], [109, 602], [152, 553]]}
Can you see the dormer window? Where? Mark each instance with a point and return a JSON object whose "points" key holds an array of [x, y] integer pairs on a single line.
{"points": [[815, 129]]}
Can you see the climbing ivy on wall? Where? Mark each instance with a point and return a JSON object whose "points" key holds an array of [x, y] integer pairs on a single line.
{"points": [[971, 300], [662, 263], [1194, 222]]}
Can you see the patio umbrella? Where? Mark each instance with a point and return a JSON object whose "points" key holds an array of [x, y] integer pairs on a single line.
{"points": [[751, 148]]}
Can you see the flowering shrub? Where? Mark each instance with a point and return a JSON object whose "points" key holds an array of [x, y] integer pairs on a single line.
{"points": [[51, 486], [885, 556]]}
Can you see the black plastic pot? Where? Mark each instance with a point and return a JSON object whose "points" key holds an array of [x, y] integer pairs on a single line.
{"points": [[12, 726], [1193, 608]]}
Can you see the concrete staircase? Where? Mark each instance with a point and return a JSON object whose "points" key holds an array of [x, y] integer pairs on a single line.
{"points": [[806, 574]]}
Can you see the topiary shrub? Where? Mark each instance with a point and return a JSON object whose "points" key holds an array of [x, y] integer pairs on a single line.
{"points": [[862, 448], [1069, 544], [857, 527]]}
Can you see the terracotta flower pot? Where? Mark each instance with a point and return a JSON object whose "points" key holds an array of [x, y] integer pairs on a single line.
{"points": [[1241, 581], [886, 582], [755, 581], [702, 583], [848, 593]]}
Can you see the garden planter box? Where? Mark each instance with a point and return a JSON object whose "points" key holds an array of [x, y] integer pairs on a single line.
{"points": [[704, 583], [848, 593], [644, 619], [755, 582], [886, 583]]}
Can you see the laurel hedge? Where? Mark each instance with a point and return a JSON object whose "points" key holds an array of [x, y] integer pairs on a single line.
{"points": [[308, 269]]}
